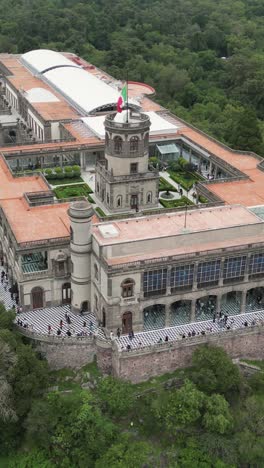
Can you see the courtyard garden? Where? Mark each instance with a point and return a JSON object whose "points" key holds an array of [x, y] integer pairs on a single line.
{"points": [[78, 190]]}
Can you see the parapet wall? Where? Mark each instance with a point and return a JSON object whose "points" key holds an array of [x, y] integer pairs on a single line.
{"points": [[142, 364]]}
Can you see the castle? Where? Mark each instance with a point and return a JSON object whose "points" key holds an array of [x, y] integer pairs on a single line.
{"points": [[141, 267]]}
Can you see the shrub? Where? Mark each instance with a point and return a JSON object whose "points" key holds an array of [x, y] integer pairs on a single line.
{"points": [[60, 175], [58, 170], [48, 171], [50, 176], [71, 175], [202, 199], [76, 174], [76, 168], [183, 201], [67, 169]]}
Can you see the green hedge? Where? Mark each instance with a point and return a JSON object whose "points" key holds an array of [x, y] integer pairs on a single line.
{"points": [[183, 201], [186, 180], [79, 190], [202, 199], [100, 212]]}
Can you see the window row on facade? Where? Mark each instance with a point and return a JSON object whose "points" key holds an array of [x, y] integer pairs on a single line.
{"points": [[207, 274]]}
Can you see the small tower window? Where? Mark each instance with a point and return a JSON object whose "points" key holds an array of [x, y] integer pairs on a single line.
{"points": [[119, 201], [134, 144], [133, 168], [118, 144], [149, 197], [128, 288]]}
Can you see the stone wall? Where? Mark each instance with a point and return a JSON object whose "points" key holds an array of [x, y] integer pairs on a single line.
{"points": [[142, 364]]}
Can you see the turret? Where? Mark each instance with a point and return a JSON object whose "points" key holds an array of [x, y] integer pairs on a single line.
{"points": [[80, 214]]}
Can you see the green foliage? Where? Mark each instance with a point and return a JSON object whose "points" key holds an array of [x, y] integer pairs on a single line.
{"points": [[126, 453], [116, 396], [79, 190], [183, 201], [58, 170], [214, 371], [185, 179], [100, 212], [202, 199], [181, 409], [164, 185], [217, 417]]}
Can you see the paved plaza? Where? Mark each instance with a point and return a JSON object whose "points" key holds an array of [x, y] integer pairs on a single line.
{"points": [[189, 330], [46, 321]]}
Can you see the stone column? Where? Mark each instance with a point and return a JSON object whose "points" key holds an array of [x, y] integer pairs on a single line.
{"points": [[218, 304], [167, 315], [243, 302], [193, 310]]}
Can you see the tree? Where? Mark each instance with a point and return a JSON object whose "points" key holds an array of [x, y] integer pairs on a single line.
{"points": [[217, 417], [181, 409], [115, 396], [214, 371], [245, 134], [126, 453]]}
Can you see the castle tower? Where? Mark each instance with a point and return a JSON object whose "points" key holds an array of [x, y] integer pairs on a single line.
{"points": [[123, 180], [80, 214]]}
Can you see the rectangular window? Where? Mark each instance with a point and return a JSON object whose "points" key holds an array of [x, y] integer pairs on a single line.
{"points": [[155, 282], [133, 168], [256, 264], [182, 276], [234, 267], [209, 272]]}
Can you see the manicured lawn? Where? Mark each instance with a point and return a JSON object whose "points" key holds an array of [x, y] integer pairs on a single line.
{"points": [[185, 179], [81, 190], [164, 185], [183, 201]]}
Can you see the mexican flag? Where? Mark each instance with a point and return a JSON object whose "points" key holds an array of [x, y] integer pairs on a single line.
{"points": [[122, 99]]}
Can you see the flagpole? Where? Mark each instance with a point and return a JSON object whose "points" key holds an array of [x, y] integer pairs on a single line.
{"points": [[127, 96]]}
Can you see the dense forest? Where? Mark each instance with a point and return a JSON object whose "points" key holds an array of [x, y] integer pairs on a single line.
{"points": [[204, 57], [206, 416]]}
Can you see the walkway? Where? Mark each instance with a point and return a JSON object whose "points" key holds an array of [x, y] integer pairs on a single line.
{"points": [[200, 328], [165, 175], [39, 320]]}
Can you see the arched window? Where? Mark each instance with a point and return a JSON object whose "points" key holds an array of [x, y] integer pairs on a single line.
{"points": [[95, 302], [118, 144], [97, 187], [96, 274], [128, 288], [71, 233], [134, 144], [149, 197], [119, 201], [107, 198], [66, 293]]}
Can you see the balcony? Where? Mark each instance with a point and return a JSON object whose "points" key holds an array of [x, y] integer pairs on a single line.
{"points": [[129, 300], [137, 176]]}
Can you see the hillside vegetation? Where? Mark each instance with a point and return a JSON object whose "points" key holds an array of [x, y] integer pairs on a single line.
{"points": [[204, 57]]}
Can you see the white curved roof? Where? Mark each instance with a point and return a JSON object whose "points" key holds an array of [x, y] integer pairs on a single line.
{"points": [[40, 95], [83, 89], [41, 59]]}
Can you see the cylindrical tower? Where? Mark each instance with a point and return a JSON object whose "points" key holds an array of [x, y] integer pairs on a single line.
{"points": [[126, 142], [80, 214]]}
